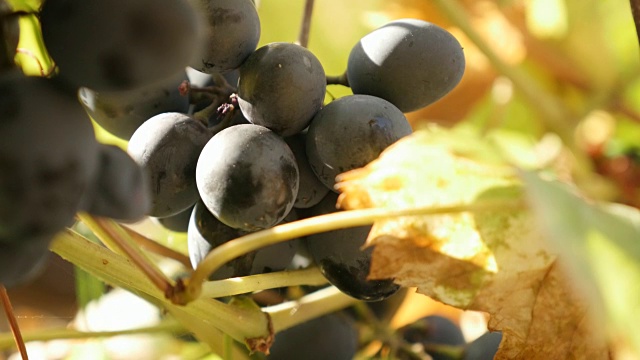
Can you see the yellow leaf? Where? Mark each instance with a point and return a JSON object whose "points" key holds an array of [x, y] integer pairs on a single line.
{"points": [[494, 261]]}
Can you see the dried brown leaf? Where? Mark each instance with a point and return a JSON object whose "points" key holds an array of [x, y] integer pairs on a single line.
{"points": [[494, 261]]}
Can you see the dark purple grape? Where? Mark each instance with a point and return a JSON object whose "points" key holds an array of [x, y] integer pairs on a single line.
{"points": [[231, 34], [21, 261], [48, 155], [120, 189], [350, 132], [122, 112], [167, 147], [109, 45], [483, 348], [281, 87], [409, 62], [339, 255], [206, 232], [433, 330], [247, 176], [331, 336], [385, 310], [178, 222], [311, 189]]}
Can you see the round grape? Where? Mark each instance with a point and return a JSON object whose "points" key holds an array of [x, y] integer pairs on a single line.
{"points": [[122, 112], [111, 45], [178, 222], [350, 132], [205, 232], [231, 34], [333, 336], [48, 156], [281, 87], [433, 330], [311, 189], [339, 255], [247, 176], [409, 62], [120, 189], [22, 261], [483, 348], [167, 147]]}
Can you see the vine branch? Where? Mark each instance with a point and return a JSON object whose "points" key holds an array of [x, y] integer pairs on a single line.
{"points": [[13, 323], [635, 12], [305, 28]]}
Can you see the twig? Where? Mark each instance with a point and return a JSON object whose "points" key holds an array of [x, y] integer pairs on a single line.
{"points": [[338, 80], [171, 326], [236, 286], [156, 248], [305, 28], [115, 238], [635, 12], [13, 323], [203, 317]]}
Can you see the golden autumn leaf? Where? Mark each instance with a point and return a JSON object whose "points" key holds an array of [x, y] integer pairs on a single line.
{"points": [[493, 259]]}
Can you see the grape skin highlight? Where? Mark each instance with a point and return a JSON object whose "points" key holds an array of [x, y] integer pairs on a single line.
{"points": [[411, 63]]}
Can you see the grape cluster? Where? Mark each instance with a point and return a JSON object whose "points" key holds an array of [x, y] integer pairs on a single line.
{"points": [[224, 137]]}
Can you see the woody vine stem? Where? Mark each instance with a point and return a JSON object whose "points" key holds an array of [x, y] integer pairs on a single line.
{"points": [[635, 12]]}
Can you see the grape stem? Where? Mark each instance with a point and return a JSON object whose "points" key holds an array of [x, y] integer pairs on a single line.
{"points": [[239, 322], [311, 306], [33, 56], [635, 12], [344, 219], [13, 323], [338, 80], [242, 285], [157, 248], [171, 326], [305, 28], [118, 240], [219, 94]]}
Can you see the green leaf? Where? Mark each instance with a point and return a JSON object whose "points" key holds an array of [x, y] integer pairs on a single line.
{"points": [[600, 243]]}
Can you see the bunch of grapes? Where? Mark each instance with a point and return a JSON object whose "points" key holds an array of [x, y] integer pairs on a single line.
{"points": [[224, 137]]}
